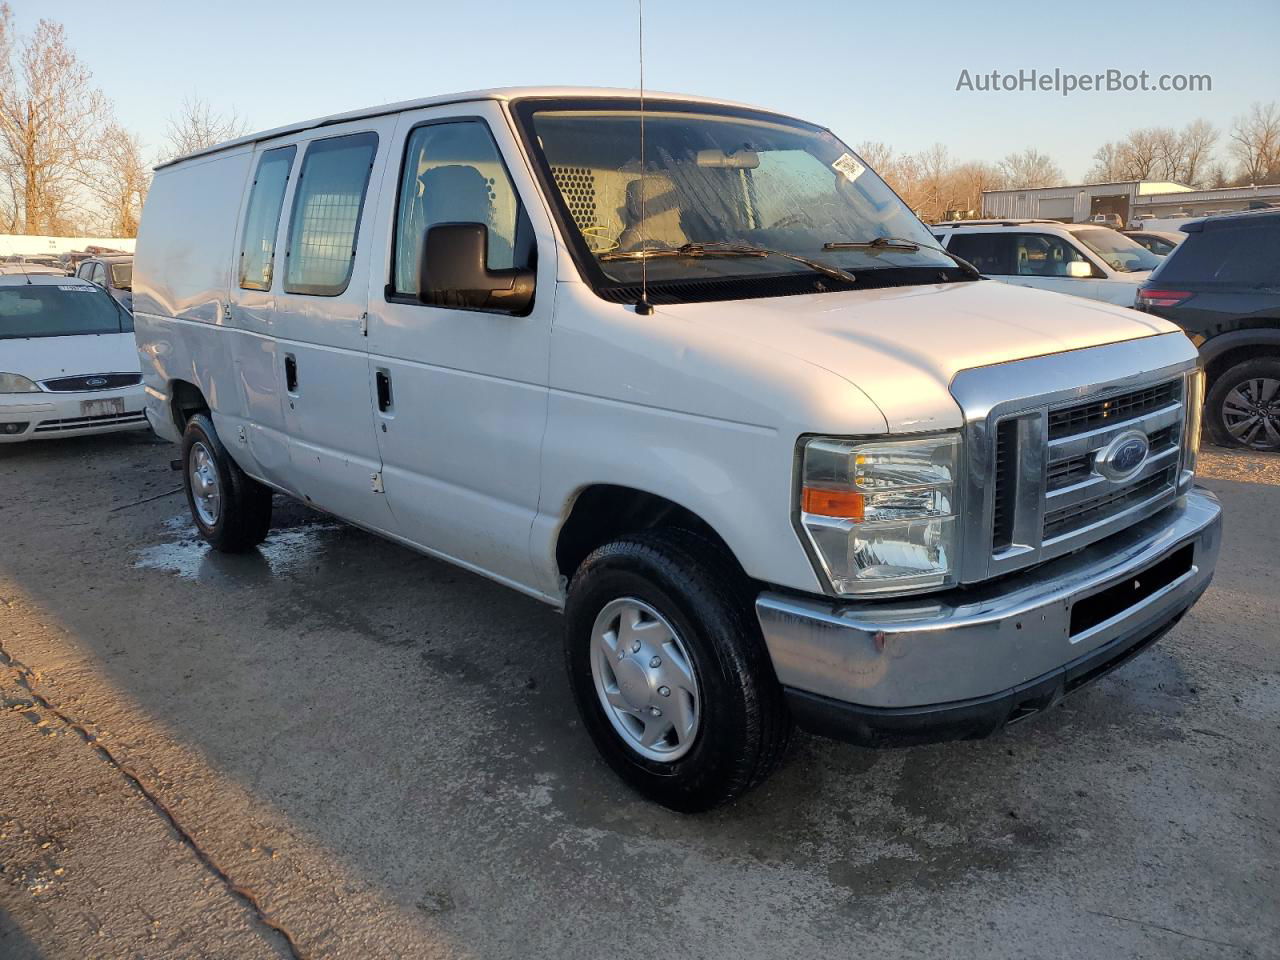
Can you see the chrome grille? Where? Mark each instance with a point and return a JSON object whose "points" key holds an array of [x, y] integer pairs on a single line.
{"points": [[1034, 430], [1101, 413], [1058, 523], [100, 381], [1077, 495]]}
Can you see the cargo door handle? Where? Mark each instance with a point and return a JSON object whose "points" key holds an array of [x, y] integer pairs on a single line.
{"points": [[383, 381], [290, 373]]}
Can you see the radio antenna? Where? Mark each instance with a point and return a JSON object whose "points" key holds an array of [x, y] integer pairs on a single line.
{"points": [[643, 307]]}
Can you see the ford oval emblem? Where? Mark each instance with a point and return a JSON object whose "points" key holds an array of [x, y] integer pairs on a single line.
{"points": [[1124, 456], [95, 381]]}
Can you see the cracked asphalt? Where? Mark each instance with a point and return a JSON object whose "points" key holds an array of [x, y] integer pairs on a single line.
{"points": [[333, 747]]}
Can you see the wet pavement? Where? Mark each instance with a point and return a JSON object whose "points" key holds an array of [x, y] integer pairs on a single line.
{"points": [[333, 747]]}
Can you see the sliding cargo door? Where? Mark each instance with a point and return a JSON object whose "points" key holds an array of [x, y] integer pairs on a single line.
{"points": [[319, 318]]}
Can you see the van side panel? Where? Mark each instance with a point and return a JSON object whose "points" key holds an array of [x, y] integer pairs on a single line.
{"points": [[181, 267], [180, 276]]}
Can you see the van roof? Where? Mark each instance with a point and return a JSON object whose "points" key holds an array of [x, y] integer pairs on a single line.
{"points": [[505, 94]]}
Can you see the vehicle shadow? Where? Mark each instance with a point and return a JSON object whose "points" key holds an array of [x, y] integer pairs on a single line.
{"points": [[14, 943], [412, 722]]}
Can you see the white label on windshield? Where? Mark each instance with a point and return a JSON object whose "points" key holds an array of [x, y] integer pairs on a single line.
{"points": [[76, 289], [848, 166]]}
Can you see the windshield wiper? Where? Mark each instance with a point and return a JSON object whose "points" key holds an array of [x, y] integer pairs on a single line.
{"points": [[719, 249], [879, 243], [901, 243]]}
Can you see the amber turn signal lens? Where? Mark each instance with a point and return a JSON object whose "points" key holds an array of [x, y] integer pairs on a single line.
{"points": [[844, 504]]}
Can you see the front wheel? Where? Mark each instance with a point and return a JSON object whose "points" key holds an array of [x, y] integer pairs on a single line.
{"points": [[670, 672], [1243, 406], [231, 510]]}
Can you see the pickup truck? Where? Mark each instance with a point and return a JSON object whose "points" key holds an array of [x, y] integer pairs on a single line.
{"points": [[690, 372]]}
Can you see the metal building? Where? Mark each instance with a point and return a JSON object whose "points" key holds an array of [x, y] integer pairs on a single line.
{"points": [[1074, 204], [1129, 199]]}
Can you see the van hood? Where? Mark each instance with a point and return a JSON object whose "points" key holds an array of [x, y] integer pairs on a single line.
{"points": [[902, 346], [44, 358]]}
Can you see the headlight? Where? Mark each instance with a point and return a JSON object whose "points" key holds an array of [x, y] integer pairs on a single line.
{"points": [[15, 383], [881, 516]]}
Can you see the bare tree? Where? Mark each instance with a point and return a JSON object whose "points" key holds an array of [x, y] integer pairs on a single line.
{"points": [[877, 155], [1031, 168], [120, 179], [197, 126], [1108, 164], [969, 181], [934, 166], [1255, 143], [1196, 148], [1157, 153], [49, 110]]}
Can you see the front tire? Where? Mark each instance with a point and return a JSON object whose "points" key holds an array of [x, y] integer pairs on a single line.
{"points": [[670, 671], [1243, 406], [231, 510]]}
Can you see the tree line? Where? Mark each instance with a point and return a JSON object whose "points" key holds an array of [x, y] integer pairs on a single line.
{"points": [[68, 167], [1198, 156]]}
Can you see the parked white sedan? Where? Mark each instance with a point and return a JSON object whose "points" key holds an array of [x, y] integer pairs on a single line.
{"points": [[68, 360]]}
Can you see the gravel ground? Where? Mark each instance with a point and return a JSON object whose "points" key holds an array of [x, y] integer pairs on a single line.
{"points": [[334, 747]]}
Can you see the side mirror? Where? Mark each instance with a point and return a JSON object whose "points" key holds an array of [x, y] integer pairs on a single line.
{"points": [[1079, 269], [453, 271]]}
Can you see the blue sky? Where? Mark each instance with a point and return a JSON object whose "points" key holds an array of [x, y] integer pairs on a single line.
{"points": [[870, 71]]}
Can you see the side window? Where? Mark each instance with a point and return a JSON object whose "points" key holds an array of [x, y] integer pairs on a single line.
{"points": [[990, 252], [326, 214], [1235, 254], [453, 173], [99, 275], [85, 271], [1042, 255], [262, 219]]}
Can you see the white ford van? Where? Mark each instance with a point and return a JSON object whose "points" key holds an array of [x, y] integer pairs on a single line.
{"points": [[779, 458]]}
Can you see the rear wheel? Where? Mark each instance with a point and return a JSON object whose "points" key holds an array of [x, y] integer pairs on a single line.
{"points": [[670, 672], [230, 509], [1243, 406]]}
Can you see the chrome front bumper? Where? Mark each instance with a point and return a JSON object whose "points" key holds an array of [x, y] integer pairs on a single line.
{"points": [[965, 662]]}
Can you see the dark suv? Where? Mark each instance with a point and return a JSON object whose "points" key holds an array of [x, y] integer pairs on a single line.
{"points": [[1222, 286]]}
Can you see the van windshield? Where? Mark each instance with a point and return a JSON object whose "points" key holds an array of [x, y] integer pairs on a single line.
{"points": [[714, 188], [59, 310]]}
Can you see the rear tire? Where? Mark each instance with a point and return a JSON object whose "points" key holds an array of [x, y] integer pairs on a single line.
{"points": [[1243, 406], [231, 510], [708, 670]]}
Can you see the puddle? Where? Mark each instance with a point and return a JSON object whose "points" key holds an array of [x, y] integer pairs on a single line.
{"points": [[284, 552]]}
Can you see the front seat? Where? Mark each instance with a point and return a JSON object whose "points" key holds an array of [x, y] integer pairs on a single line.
{"points": [[458, 193], [659, 226]]}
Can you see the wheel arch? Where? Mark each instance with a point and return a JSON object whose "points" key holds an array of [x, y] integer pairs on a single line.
{"points": [[185, 401], [1223, 352], [601, 512]]}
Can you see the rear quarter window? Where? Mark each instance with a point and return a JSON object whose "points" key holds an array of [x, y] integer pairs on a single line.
{"points": [[989, 252], [1246, 255]]}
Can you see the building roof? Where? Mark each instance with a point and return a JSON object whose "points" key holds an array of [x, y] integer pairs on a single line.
{"points": [[505, 94]]}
